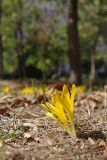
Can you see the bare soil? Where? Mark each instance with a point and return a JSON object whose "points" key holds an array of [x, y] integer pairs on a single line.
{"points": [[27, 134]]}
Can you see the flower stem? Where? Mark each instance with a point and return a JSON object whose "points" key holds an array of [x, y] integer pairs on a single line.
{"points": [[71, 131]]}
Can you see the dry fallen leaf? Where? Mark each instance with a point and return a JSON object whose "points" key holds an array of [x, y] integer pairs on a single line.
{"points": [[101, 144], [105, 155], [19, 101], [27, 135], [3, 110], [91, 141]]}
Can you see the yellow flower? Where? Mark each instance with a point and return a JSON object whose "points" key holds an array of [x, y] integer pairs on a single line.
{"points": [[6, 90], [28, 90], [81, 89], [32, 90], [39, 91], [62, 109]]}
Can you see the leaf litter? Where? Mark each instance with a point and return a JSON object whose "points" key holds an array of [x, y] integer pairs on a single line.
{"points": [[27, 134]]}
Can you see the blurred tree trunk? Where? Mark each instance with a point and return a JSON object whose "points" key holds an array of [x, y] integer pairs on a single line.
{"points": [[21, 57], [93, 58], [73, 42], [93, 68], [95, 42], [1, 42]]}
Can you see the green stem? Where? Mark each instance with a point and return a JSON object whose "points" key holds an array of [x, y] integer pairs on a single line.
{"points": [[71, 131]]}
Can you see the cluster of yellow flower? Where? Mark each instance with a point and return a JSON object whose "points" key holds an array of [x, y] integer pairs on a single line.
{"points": [[61, 109], [28, 90], [32, 90]]}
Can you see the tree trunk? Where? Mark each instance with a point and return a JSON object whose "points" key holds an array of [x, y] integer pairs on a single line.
{"points": [[1, 42], [21, 59], [95, 41], [73, 42]]}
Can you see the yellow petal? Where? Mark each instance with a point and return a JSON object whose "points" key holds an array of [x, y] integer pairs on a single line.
{"points": [[58, 110], [66, 97], [73, 92], [51, 108], [57, 98], [54, 118], [66, 94]]}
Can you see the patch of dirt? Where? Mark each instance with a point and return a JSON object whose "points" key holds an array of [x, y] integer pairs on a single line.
{"points": [[27, 134]]}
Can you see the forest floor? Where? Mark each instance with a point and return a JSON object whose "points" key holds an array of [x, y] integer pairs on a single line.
{"points": [[27, 134]]}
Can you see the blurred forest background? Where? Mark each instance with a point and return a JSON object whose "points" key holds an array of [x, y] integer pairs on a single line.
{"points": [[53, 39]]}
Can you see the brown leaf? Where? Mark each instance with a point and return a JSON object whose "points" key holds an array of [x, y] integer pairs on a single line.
{"points": [[58, 86], [19, 101], [3, 110], [40, 99], [101, 144], [105, 155]]}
